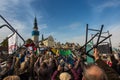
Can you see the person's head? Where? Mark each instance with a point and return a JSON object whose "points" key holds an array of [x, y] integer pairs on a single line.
{"points": [[9, 63], [93, 72], [65, 76], [43, 65], [14, 77]]}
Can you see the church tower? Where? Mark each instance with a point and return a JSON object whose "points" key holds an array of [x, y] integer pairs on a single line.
{"points": [[35, 33]]}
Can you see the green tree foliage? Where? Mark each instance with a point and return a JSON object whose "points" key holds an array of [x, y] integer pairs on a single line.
{"points": [[4, 43], [29, 41]]}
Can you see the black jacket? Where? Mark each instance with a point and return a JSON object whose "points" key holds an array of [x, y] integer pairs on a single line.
{"points": [[111, 73]]}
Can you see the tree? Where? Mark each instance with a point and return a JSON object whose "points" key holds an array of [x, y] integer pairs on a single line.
{"points": [[4, 43], [29, 41]]}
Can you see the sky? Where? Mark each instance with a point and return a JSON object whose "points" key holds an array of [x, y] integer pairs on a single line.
{"points": [[65, 20]]}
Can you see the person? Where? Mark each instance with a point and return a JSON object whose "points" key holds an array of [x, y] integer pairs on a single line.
{"points": [[13, 77], [118, 66], [21, 69], [93, 72], [6, 69], [65, 75], [110, 72], [42, 69]]}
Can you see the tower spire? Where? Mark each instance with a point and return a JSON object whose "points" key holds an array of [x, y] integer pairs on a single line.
{"points": [[35, 32], [35, 23]]}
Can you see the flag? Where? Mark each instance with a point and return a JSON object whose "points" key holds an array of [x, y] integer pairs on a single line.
{"points": [[89, 46], [65, 52], [12, 43], [54, 50]]}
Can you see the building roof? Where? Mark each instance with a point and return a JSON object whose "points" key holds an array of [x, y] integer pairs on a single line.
{"points": [[48, 38]]}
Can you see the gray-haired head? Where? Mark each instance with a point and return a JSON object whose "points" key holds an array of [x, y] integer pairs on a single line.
{"points": [[93, 72]]}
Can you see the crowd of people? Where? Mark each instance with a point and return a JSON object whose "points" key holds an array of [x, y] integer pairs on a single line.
{"points": [[27, 65]]}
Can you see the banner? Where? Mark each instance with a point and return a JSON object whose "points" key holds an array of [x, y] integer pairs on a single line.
{"points": [[104, 49], [12, 43]]}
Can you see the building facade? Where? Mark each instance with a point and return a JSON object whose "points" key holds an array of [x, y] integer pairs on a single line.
{"points": [[48, 42]]}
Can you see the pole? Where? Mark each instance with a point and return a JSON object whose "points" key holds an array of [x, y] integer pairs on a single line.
{"points": [[11, 28], [93, 30], [7, 26], [96, 46], [89, 40], [86, 36]]}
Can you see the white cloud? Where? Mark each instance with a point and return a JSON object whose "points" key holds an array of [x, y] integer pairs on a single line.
{"points": [[105, 4], [4, 32], [76, 39], [12, 11], [17, 25], [48, 34], [71, 26], [74, 25], [115, 31], [42, 26], [115, 38]]}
